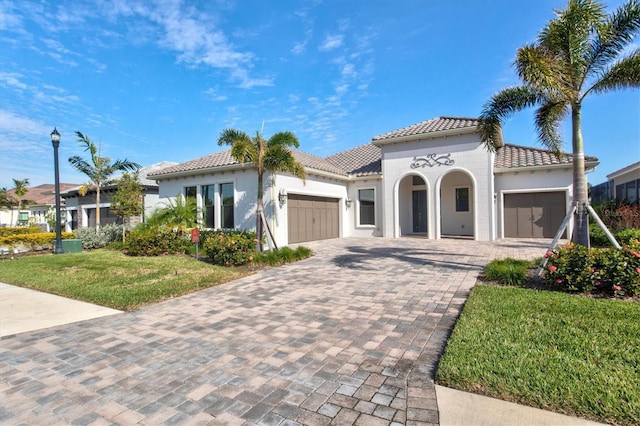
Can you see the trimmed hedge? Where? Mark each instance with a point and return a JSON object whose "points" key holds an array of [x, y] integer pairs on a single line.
{"points": [[157, 242], [21, 230], [33, 240]]}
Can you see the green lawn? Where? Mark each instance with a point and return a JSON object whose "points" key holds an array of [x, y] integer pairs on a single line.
{"points": [[551, 350], [109, 278]]}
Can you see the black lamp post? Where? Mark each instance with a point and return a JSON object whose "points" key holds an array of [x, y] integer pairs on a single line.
{"points": [[55, 141]]}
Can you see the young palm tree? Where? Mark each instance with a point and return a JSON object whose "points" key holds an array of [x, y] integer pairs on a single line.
{"points": [[581, 51], [99, 169], [20, 189], [271, 155]]}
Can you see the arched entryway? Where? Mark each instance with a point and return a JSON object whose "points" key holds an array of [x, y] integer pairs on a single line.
{"points": [[412, 206], [457, 205]]}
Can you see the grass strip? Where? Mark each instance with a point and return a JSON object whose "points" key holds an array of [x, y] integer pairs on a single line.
{"points": [[109, 278], [560, 352]]}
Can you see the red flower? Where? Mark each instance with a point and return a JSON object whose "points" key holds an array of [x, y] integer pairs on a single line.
{"points": [[553, 268], [598, 283], [635, 253], [638, 270], [548, 254], [617, 288], [558, 281]]}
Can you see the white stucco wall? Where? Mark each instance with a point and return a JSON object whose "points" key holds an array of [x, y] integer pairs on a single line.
{"points": [[560, 179], [315, 185], [470, 158], [353, 227], [244, 185]]}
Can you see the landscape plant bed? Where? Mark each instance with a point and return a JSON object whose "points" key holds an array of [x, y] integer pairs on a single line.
{"points": [[110, 278], [557, 351]]}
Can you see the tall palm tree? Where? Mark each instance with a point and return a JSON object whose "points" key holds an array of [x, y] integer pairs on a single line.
{"points": [[98, 169], [581, 51], [272, 155]]}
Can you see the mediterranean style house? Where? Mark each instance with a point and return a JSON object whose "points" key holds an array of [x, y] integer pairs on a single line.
{"points": [[434, 179]]}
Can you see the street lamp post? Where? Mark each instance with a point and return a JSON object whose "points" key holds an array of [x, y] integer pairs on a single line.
{"points": [[55, 141]]}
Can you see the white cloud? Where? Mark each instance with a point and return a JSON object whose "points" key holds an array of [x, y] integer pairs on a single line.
{"points": [[11, 80], [331, 42], [213, 94]]}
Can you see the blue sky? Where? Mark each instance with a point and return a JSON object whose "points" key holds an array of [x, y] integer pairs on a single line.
{"points": [[158, 80]]}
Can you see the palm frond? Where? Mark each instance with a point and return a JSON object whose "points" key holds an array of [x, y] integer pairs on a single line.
{"points": [[614, 35], [284, 139], [125, 166], [231, 136], [82, 166], [537, 67], [244, 151], [548, 119], [623, 74], [502, 105], [278, 158]]}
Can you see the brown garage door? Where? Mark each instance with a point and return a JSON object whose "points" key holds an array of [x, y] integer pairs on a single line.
{"points": [[312, 218], [534, 214]]}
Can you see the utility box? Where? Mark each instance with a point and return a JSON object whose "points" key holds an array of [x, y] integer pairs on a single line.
{"points": [[72, 246]]}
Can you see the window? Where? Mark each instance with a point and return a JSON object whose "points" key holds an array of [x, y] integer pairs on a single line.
{"points": [[190, 193], [208, 201], [631, 195], [366, 202], [226, 206], [417, 181], [619, 192], [462, 199]]}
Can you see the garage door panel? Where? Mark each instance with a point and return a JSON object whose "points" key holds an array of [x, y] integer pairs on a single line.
{"points": [[533, 215], [316, 218]]}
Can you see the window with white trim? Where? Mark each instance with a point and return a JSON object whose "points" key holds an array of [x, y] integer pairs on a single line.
{"points": [[366, 207], [226, 206]]}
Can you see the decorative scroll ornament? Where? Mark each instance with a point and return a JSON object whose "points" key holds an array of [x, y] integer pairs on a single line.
{"points": [[431, 160]]}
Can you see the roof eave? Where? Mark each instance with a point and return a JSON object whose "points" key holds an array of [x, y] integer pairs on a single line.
{"points": [[423, 136], [589, 165], [206, 170], [623, 171]]}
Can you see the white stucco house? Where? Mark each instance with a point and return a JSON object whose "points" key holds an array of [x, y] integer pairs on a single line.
{"points": [[433, 179]]}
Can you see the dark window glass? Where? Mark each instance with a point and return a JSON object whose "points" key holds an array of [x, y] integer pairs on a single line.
{"points": [[366, 198], [631, 192], [226, 206], [620, 192], [417, 181], [208, 192], [462, 199], [190, 192]]}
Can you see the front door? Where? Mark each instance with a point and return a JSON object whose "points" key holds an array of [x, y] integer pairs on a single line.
{"points": [[420, 211]]}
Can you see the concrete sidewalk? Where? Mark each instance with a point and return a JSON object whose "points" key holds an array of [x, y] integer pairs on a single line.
{"points": [[23, 310]]}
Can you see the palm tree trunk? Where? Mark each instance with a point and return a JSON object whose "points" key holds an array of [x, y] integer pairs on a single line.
{"points": [[259, 209], [97, 208], [581, 220]]}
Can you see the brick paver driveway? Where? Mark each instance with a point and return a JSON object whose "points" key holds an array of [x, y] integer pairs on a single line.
{"points": [[350, 336]]}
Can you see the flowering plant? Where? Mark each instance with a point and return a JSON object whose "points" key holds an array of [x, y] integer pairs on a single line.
{"points": [[607, 270]]}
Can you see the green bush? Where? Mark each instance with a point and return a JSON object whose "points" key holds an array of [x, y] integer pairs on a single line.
{"points": [[507, 271], [600, 270], [150, 242], [597, 236], [93, 240], [627, 235], [229, 248], [281, 256]]}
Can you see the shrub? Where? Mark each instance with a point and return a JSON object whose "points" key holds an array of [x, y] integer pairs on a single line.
{"points": [[281, 256], [606, 270], [507, 271], [5, 232], [93, 240], [627, 235], [32, 240], [156, 242], [618, 214], [597, 236], [229, 248]]}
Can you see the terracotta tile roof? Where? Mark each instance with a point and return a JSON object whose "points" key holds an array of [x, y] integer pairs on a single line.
{"points": [[513, 156], [217, 159], [224, 158], [364, 160], [43, 194], [438, 124]]}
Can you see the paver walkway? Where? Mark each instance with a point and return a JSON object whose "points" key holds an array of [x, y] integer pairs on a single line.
{"points": [[349, 336]]}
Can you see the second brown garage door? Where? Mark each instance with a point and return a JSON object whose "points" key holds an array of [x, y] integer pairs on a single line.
{"points": [[533, 214], [312, 218]]}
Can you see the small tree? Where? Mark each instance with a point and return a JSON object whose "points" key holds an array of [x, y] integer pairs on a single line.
{"points": [[127, 201]]}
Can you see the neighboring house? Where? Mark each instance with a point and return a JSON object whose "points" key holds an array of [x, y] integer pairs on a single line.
{"points": [[81, 209], [433, 179], [623, 184], [37, 202]]}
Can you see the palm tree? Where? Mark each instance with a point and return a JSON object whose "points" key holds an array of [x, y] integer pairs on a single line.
{"points": [[20, 189], [99, 169], [581, 51], [273, 155]]}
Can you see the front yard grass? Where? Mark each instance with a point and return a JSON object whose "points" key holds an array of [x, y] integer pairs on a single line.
{"points": [[571, 354], [109, 278]]}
